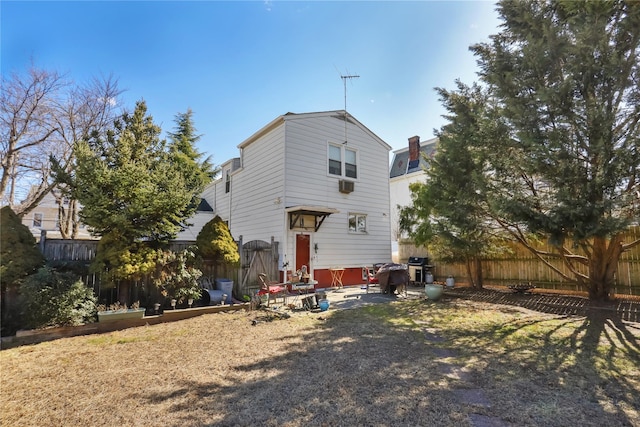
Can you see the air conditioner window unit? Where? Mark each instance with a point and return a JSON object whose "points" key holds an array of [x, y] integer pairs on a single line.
{"points": [[346, 186]]}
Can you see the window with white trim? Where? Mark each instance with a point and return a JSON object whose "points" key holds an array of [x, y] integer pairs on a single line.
{"points": [[350, 164], [227, 180], [357, 223], [343, 161], [37, 220]]}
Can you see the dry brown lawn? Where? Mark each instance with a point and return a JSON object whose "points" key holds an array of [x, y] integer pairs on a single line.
{"points": [[456, 362]]}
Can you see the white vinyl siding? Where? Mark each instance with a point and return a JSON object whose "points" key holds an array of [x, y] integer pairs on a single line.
{"points": [[286, 164], [257, 208], [306, 163]]}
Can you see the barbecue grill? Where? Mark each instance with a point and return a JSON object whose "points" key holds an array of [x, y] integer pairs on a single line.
{"points": [[391, 276], [419, 268]]}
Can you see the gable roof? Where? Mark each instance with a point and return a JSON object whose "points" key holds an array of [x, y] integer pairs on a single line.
{"points": [[337, 114]]}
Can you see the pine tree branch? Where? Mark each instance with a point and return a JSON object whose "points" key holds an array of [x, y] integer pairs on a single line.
{"points": [[517, 233], [628, 246]]}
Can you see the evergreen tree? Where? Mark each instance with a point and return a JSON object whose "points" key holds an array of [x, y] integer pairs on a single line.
{"points": [[197, 172], [19, 253], [567, 76], [216, 243], [19, 258], [449, 212], [131, 193]]}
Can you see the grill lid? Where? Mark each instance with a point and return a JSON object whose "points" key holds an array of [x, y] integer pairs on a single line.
{"points": [[416, 260]]}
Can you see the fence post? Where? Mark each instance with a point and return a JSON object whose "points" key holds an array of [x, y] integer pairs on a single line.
{"points": [[240, 269], [43, 239]]}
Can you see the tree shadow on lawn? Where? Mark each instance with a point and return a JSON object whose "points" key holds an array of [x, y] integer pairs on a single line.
{"points": [[351, 370], [590, 376], [373, 366], [627, 310]]}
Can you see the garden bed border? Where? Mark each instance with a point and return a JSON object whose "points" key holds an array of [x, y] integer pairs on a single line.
{"points": [[34, 336]]}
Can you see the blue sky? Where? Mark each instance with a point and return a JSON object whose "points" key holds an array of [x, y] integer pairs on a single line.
{"points": [[238, 65]]}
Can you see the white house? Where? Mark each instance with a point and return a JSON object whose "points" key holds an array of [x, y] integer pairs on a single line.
{"points": [[318, 184], [45, 217], [407, 166], [204, 214]]}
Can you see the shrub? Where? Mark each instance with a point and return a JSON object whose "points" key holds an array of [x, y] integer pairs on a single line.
{"points": [[176, 275], [19, 255], [51, 298], [215, 242]]}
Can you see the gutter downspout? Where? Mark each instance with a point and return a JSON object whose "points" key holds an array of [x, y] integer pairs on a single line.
{"points": [[283, 204]]}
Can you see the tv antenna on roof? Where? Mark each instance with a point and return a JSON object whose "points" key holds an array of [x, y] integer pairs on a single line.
{"points": [[344, 81]]}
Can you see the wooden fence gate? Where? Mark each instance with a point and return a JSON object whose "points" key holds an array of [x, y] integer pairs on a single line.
{"points": [[257, 256]]}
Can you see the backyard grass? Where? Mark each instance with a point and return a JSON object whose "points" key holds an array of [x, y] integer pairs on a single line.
{"points": [[412, 362]]}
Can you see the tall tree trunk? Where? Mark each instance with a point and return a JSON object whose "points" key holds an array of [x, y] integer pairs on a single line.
{"points": [[603, 265], [67, 218], [474, 271], [467, 264], [478, 273], [75, 220]]}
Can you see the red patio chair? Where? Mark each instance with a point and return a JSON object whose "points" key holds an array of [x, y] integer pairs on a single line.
{"points": [[370, 274], [272, 289]]}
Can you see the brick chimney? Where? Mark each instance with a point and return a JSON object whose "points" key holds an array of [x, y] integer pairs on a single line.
{"points": [[414, 148]]}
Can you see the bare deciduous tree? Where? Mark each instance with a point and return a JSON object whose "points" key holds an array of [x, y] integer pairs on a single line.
{"points": [[43, 115], [28, 128]]}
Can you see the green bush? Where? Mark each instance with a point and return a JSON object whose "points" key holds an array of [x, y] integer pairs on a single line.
{"points": [[176, 276], [215, 242], [51, 298], [19, 257], [19, 254]]}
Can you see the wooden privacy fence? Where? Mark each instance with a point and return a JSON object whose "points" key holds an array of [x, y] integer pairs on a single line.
{"points": [[522, 266], [68, 249], [256, 257], [85, 250]]}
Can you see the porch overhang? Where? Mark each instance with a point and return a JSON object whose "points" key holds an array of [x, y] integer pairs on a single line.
{"points": [[320, 213]]}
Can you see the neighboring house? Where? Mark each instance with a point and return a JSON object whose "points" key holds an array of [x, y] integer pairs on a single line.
{"points": [[408, 166], [317, 183], [45, 218], [204, 214]]}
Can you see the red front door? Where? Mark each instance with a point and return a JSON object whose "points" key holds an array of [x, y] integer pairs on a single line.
{"points": [[303, 251]]}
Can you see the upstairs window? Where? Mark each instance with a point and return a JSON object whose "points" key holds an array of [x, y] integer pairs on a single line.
{"points": [[350, 166], [37, 220], [335, 160], [227, 181], [343, 161]]}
